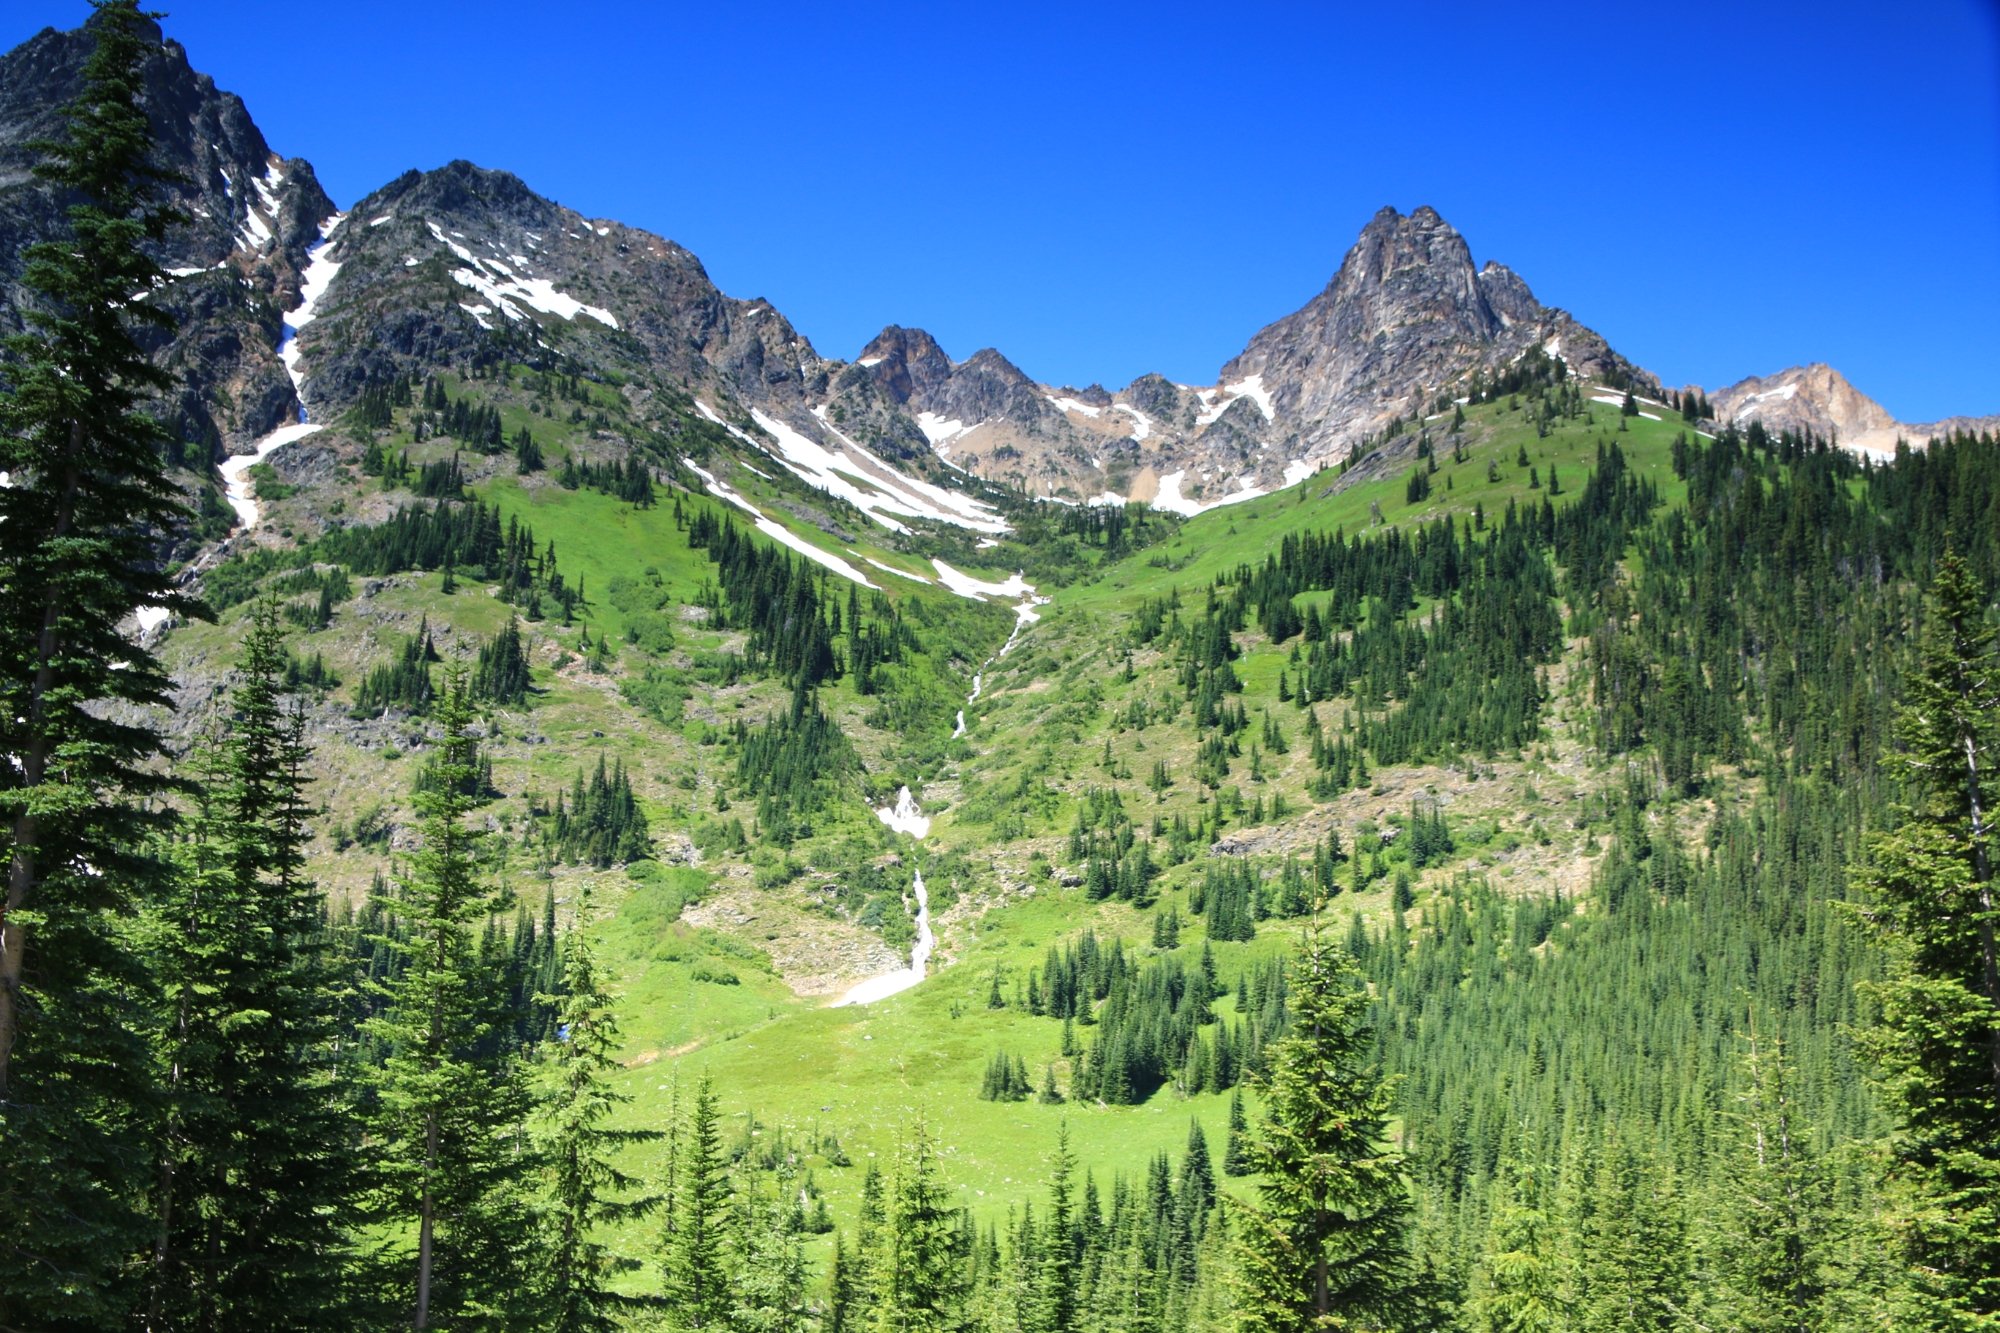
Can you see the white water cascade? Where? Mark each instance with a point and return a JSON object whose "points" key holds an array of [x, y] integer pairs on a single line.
{"points": [[906, 816]]}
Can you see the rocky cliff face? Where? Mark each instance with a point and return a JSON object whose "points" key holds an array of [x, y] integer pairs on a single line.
{"points": [[1818, 399], [235, 265]]}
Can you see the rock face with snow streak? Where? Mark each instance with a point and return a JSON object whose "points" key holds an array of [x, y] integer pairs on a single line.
{"points": [[236, 262]]}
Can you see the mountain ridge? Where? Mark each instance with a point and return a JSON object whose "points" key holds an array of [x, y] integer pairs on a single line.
{"points": [[1405, 322]]}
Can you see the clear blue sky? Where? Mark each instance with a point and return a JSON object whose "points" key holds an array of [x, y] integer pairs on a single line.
{"points": [[1099, 191]]}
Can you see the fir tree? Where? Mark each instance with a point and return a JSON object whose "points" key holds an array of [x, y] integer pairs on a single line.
{"points": [[1932, 882], [1325, 1244], [921, 1281], [699, 1222], [253, 1187], [1053, 1304], [450, 1095], [1522, 1287], [586, 1190], [87, 495], [768, 1289]]}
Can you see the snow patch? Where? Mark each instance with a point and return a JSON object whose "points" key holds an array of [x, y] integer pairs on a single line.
{"points": [[1171, 499], [1075, 405], [320, 271], [385, 219], [1298, 470], [535, 293], [1217, 401], [1142, 425], [778, 532], [941, 430], [979, 589], [899, 573], [236, 483]]}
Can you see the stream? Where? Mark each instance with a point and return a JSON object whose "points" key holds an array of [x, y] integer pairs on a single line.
{"points": [[906, 816]]}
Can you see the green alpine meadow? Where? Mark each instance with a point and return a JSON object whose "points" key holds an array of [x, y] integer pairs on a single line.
{"points": [[537, 800]]}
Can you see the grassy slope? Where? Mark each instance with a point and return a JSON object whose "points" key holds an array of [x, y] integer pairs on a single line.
{"points": [[1003, 796], [1040, 726]]}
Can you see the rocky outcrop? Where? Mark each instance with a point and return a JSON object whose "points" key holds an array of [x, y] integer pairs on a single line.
{"points": [[235, 261], [1405, 317]]}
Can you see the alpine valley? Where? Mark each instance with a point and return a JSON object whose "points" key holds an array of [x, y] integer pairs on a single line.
{"points": [[1435, 829]]}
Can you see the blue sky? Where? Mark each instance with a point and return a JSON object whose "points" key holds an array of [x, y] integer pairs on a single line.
{"points": [[1100, 191]]}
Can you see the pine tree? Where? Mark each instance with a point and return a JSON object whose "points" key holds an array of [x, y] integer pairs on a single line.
{"points": [[586, 1190], [87, 495], [921, 1280], [1325, 1244], [450, 1095], [699, 1222], [1933, 889], [254, 1184], [1522, 1286]]}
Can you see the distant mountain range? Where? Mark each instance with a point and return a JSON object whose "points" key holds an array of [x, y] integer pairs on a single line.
{"points": [[463, 265]]}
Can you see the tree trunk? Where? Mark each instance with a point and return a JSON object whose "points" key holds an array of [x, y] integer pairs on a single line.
{"points": [[34, 768], [1982, 876], [426, 1216]]}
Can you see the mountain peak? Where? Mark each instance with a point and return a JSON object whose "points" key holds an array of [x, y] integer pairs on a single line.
{"points": [[1814, 397], [907, 363]]}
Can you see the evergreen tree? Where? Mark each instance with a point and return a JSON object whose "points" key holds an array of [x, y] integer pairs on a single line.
{"points": [[1522, 1287], [1932, 883], [921, 1280], [1776, 1222], [1053, 1307], [1325, 1244], [253, 1185], [699, 1222], [769, 1282], [87, 495], [450, 1095], [586, 1190]]}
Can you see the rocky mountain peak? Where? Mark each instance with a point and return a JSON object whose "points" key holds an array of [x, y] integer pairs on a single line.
{"points": [[1406, 316], [250, 217], [1812, 398], [907, 363]]}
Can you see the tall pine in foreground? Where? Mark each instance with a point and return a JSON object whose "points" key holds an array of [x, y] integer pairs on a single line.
{"points": [[451, 1101], [253, 1181], [586, 1189], [921, 1280], [1325, 1245], [86, 492], [1933, 887], [699, 1220]]}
